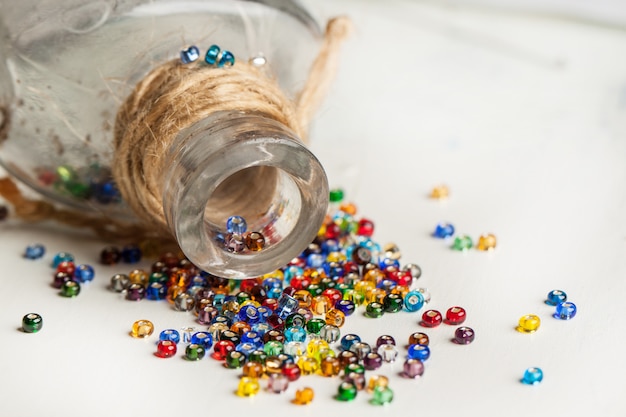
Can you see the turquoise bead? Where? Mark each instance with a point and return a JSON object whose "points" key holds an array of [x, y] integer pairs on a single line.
{"points": [[211, 54]]}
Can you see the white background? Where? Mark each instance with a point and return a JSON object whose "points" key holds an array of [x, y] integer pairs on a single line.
{"points": [[521, 113]]}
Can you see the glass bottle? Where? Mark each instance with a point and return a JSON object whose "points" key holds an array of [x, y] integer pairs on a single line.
{"points": [[69, 64]]}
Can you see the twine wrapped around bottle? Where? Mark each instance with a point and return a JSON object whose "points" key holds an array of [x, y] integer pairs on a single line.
{"points": [[170, 98]]}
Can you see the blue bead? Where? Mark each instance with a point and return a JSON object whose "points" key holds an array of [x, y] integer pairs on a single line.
{"points": [[315, 260], [532, 376], [247, 348], [236, 225], [269, 283], [252, 337], [264, 313], [330, 245], [555, 297], [286, 305], [222, 319], [385, 262], [35, 251], [333, 269], [156, 291], [443, 230], [170, 334], [62, 257], [274, 293], [211, 54], [106, 192], [218, 301], [226, 60], [290, 272], [189, 55], [565, 310], [203, 339], [131, 254], [249, 314], [420, 352], [261, 328], [295, 334], [348, 340], [84, 273], [347, 307], [413, 301]]}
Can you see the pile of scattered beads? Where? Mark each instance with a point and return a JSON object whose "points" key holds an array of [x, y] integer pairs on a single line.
{"points": [[486, 242]]}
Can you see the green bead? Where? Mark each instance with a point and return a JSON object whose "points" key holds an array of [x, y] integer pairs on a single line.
{"points": [[315, 325], [273, 348], [336, 195], [356, 368], [462, 243], [382, 396], [393, 303], [65, 173], [343, 287], [374, 310], [159, 277], [194, 352], [32, 323], [78, 189], [327, 283], [235, 359], [295, 319], [257, 356], [315, 289], [70, 289], [243, 296], [346, 391]]}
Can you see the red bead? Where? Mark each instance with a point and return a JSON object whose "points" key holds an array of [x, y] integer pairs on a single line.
{"points": [[221, 349], [270, 303], [333, 294], [166, 349], [455, 315], [298, 262], [247, 284], [291, 371], [300, 283], [365, 228], [169, 259], [350, 267], [332, 231], [404, 278], [67, 267], [276, 322], [290, 291], [431, 318]]}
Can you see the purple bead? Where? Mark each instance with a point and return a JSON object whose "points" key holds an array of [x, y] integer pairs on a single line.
{"points": [[463, 335], [59, 279], [277, 383], [385, 340], [235, 243], [413, 368], [207, 314], [135, 292], [372, 361]]}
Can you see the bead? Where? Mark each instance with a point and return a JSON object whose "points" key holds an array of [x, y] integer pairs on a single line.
{"points": [[119, 282], [385, 340], [170, 334], [419, 338], [187, 333], [248, 387], [249, 314], [420, 352], [330, 333], [273, 348], [295, 334], [565, 310], [156, 291], [110, 255], [202, 338], [413, 301], [528, 324], [254, 241], [347, 307], [32, 323], [59, 279], [227, 59], [166, 349], [463, 335], [462, 243], [234, 243], [142, 329], [486, 242], [234, 359], [358, 379], [361, 349], [70, 289], [431, 318], [229, 335], [440, 192], [138, 276], [372, 361], [304, 396], [377, 381], [374, 310], [361, 255], [278, 383], [273, 335], [413, 269], [184, 302], [555, 297], [382, 396], [347, 357], [532, 376], [425, 293], [194, 352], [330, 366], [346, 391], [84, 273], [388, 353], [393, 303], [253, 369], [211, 54], [335, 317], [62, 257], [365, 227], [455, 315], [443, 230], [348, 340], [67, 266], [237, 225], [336, 195], [291, 371], [189, 55], [314, 347], [35, 251], [320, 305], [131, 254], [412, 368], [257, 356]]}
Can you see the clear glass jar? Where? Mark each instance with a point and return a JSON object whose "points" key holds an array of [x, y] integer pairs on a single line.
{"points": [[68, 65]]}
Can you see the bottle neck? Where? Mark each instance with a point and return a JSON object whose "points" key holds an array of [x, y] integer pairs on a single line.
{"points": [[244, 164]]}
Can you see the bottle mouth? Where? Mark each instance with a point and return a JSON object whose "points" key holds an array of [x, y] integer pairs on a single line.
{"points": [[241, 164]]}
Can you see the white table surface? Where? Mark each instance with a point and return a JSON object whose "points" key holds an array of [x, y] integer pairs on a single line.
{"points": [[524, 118]]}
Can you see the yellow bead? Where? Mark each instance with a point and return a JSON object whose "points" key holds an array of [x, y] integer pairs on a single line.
{"points": [[142, 328], [308, 365], [377, 381], [232, 306], [357, 298], [336, 257], [276, 274], [304, 396], [335, 317], [138, 276], [375, 295], [362, 287], [173, 292], [440, 192], [314, 347], [486, 242], [400, 290], [314, 275], [253, 370], [330, 366], [528, 323], [373, 276], [248, 387], [250, 303], [348, 208]]}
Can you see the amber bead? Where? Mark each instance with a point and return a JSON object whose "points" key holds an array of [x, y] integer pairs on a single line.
{"points": [[304, 298], [253, 369], [330, 366], [240, 327], [419, 338], [273, 365], [440, 192], [377, 381], [304, 396], [486, 242], [142, 328], [320, 305], [255, 241], [335, 317], [274, 335], [347, 357], [110, 255]]}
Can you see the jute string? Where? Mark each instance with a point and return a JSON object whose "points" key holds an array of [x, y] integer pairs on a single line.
{"points": [[170, 98]]}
